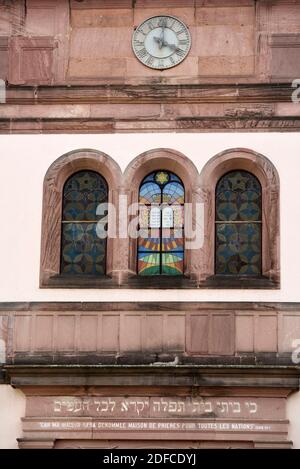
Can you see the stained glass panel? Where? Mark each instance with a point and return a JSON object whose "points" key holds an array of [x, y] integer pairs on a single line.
{"points": [[238, 197], [83, 192], [161, 250], [172, 240], [173, 193], [238, 225], [150, 193], [148, 263], [149, 240], [172, 264], [82, 251], [178, 211], [144, 214]]}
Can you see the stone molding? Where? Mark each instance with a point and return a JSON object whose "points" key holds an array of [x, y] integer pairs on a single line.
{"points": [[121, 252], [54, 181]]}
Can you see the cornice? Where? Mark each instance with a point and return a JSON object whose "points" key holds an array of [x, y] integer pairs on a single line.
{"points": [[148, 306], [149, 375], [152, 93], [110, 125]]}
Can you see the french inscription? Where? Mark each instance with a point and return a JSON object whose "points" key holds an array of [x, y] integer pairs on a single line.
{"points": [[156, 425]]}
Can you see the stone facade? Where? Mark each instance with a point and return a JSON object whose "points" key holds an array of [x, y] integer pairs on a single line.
{"points": [[120, 361]]}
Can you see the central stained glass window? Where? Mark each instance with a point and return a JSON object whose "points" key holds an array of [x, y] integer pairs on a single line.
{"points": [[161, 225], [82, 251], [238, 225]]}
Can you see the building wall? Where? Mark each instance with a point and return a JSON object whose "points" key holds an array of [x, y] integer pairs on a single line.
{"points": [[25, 160], [293, 414], [99, 91], [262, 40], [12, 409]]}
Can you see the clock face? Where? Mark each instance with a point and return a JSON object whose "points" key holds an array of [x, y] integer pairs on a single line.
{"points": [[161, 42]]}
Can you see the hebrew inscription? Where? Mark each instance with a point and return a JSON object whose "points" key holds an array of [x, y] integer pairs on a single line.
{"points": [[154, 407]]}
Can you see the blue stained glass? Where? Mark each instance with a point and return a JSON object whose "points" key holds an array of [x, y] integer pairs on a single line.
{"points": [[82, 251], [238, 225], [161, 250], [150, 193], [173, 193]]}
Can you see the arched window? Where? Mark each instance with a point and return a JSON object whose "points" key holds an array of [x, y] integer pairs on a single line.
{"points": [[83, 252], [238, 225], [161, 223]]}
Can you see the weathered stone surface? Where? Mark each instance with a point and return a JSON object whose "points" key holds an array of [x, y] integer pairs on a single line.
{"points": [[186, 14], [234, 16], [97, 43], [229, 40], [194, 337], [92, 18], [186, 69], [3, 57], [284, 17], [31, 60], [94, 68], [220, 66]]}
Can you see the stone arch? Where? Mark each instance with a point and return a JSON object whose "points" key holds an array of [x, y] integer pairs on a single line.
{"points": [[182, 166], [55, 178], [265, 171]]}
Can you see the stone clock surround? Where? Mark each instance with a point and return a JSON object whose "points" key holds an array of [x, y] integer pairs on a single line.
{"points": [[161, 42]]}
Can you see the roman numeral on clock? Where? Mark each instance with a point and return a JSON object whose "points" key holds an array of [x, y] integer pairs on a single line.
{"points": [[142, 53], [180, 52], [138, 43], [150, 60], [183, 42]]}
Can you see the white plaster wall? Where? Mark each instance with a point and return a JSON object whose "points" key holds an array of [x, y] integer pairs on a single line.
{"points": [[26, 158], [293, 415], [12, 409]]}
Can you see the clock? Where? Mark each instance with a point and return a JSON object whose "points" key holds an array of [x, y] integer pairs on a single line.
{"points": [[161, 42]]}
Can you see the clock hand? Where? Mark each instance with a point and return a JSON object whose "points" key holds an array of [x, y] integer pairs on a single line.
{"points": [[162, 35], [172, 46], [159, 41]]}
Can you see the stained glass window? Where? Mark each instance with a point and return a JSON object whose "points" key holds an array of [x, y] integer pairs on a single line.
{"points": [[238, 225], [161, 222], [83, 252]]}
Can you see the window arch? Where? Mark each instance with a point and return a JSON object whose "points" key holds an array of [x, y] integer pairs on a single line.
{"points": [[58, 180], [238, 219], [83, 252], [161, 224], [260, 167]]}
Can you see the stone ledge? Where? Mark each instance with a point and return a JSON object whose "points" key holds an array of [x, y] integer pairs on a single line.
{"points": [[150, 93], [286, 378]]}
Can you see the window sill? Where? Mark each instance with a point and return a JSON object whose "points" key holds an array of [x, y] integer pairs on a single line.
{"points": [[105, 282], [240, 283], [160, 282], [78, 281]]}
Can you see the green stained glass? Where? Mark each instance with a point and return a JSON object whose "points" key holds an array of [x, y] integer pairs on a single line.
{"points": [[82, 251], [238, 225]]}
